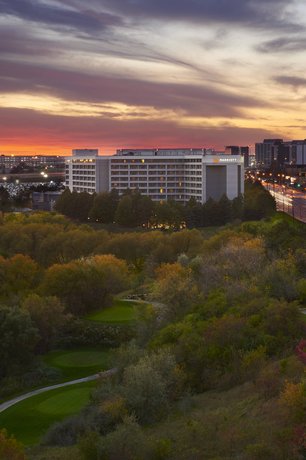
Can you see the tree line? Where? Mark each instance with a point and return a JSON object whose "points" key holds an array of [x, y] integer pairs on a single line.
{"points": [[133, 209]]}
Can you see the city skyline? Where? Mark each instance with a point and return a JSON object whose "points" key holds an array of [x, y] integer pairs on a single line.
{"points": [[148, 73]]}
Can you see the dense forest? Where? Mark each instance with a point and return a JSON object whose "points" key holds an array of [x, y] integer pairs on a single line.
{"points": [[213, 365]]}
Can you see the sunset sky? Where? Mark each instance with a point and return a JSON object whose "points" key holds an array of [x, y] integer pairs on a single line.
{"points": [[150, 73]]}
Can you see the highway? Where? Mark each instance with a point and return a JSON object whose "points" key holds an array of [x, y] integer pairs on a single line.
{"points": [[288, 200]]}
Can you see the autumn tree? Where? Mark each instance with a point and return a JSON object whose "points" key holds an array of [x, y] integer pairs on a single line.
{"points": [[49, 317], [86, 284], [10, 449], [175, 288], [18, 275]]}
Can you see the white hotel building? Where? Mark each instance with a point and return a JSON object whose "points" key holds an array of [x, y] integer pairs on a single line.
{"points": [[162, 174]]}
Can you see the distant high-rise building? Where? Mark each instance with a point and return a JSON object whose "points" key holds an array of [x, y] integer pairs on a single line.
{"points": [[245, 152], [238, 150], [232, 150], [275, 153], [297, 155], [266, 152]]}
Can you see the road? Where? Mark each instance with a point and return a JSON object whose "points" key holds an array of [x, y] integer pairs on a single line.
{"points": [[288, 200], [20, 398]]}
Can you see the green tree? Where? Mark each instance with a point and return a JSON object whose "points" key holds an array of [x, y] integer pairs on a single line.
{"points": [[168, 214], [133, 209], [18, 339], [193, 214], [258, 202], [64, 202], [151, 385], [49, 317], [104, 207], [210, 213], [75, 205], [125, 214], [5, 201], [237, 207], [224, 210], [127, 442]]}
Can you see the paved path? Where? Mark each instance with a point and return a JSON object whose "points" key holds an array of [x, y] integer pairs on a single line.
{"points": [[16, 400]]}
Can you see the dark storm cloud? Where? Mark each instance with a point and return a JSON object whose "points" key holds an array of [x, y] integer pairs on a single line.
{"points": [[47, 13], [291, 80], [193, 99], [258, 13], [283, 45]]}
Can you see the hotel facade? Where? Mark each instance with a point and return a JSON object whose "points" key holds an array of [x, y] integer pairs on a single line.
{"points": [[162, 174]]}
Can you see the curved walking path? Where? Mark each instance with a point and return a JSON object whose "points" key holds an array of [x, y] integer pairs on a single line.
{"points": [[20, 398]]}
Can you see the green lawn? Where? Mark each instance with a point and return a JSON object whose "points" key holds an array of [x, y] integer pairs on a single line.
{"points": [[122, 311], [80, 362], [30, 419]]}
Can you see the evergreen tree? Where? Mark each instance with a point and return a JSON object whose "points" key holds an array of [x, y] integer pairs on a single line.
{"points": [[104, 207], [124, 213]]}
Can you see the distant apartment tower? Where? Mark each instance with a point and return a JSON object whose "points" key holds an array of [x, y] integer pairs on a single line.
{"points": [[238, 150], [297, 156], [270, 152], [162, 174]]}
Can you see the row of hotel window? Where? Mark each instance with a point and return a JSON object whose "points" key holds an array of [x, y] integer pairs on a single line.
{"points": [[130, 166], [156, 160], [139, 161], [172, 181], [148, 188], [153, 167], [145, 184]]}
